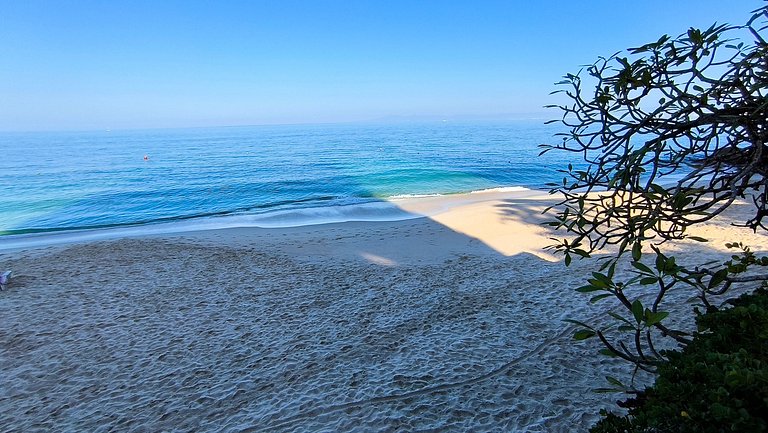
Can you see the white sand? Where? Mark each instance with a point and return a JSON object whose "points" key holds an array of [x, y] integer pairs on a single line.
{"points": [[447, 323]]}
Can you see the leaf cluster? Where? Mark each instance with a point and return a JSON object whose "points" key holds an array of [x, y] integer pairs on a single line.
{"points": [[637, 321], [717, 383]]}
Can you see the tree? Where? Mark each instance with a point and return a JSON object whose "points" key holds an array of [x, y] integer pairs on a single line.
{"points": [[671, 134]]}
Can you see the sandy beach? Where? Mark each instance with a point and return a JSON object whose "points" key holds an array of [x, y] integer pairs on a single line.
{"points": [[448, 322]]}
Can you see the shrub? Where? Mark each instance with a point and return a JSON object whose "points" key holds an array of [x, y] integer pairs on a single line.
{"points": [[717, 383]]}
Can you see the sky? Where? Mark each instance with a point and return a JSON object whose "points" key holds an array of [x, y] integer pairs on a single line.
{"points": [[91, 65]]}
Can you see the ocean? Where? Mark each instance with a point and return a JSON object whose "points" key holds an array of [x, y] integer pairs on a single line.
{"points": [[256, 175]]}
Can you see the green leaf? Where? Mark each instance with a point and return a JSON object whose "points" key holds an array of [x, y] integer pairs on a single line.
{"points": [[641, 267], [583, 334], [588, 288], [602, 278], [607, 352], [580, 252], [576, 322], [617, 317], [567, 259], [658, 189], [637, 251], [660, 262], [657, 317], [670, 267], [697, 239], [597, 283], [637, 310], [718, 278], [649, 280], [606, 390], [599, 297], [613, 381]]}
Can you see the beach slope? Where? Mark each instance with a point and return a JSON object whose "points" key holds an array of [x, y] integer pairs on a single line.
{"points": [[451, 322]]}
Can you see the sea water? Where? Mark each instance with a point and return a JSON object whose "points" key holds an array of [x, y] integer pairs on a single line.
{"points": [[228, 176]]}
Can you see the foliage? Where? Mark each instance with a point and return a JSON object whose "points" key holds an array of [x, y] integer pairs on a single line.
{"points": [[671, 135], [644, 320], [718, 383], [694, 106]]}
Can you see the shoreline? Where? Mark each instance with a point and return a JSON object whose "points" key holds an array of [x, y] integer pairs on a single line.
{"points": [[452, 322], [386, 210]]}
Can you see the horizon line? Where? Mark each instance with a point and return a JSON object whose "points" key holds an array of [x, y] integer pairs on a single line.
{"points": [[389, 119]]}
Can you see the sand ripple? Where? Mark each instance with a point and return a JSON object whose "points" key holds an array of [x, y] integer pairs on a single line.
{"points": [[153, 335]]}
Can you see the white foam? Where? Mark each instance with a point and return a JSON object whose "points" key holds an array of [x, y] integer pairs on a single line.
{"points": [[390, 210], [374, 211], [501, 189], [410, 196]]}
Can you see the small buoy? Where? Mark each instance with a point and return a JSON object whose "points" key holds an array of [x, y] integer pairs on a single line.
{"points": [[146, 157]]}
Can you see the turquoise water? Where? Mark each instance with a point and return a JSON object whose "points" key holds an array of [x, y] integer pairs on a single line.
{"points": [[84, 180]]}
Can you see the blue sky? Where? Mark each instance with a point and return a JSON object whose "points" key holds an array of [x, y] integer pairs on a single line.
{"points": [[134, 64]]}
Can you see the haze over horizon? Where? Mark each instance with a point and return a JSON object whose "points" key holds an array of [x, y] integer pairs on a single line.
{"points": [[123, 65]]}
